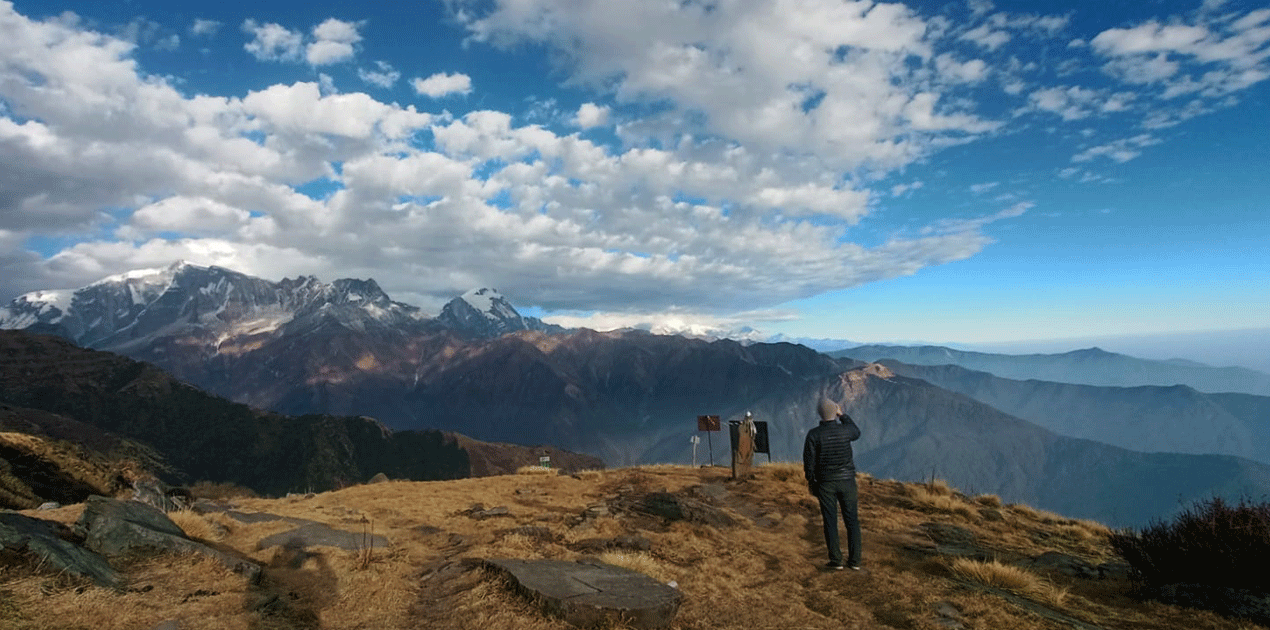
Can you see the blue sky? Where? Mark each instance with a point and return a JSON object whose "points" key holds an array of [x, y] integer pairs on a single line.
{"points": [[964, 172]]}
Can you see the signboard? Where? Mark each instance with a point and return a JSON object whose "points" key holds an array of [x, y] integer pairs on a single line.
{"points": [[761, 444], [708, 423]]}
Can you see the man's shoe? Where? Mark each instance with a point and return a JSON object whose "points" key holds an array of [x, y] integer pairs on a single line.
{"points": [[853, 567], [834, 566]]}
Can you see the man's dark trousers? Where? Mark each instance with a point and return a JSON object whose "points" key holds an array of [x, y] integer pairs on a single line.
{"points": [[840, 493]]}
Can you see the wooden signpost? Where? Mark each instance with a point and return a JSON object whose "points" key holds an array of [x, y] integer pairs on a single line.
{"points": [[709, 424]]}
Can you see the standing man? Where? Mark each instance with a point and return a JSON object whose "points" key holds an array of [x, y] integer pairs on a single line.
{"points": [[830, 471]]}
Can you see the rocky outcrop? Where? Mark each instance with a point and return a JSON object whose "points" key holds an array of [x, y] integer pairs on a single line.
{"points": [[120, 528], [593, 594], [41, 539]]}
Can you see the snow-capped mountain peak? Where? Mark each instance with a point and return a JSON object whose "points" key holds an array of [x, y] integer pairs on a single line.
{"points": [[138, 306], [482, 299], [486, 313]]}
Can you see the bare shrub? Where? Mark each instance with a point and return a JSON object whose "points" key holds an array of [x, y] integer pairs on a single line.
{"points": [[1211, 543]]}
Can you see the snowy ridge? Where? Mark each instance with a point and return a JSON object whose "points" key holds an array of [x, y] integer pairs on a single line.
{"points": [[136, 308]]}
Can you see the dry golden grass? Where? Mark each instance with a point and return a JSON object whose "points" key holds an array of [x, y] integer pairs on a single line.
{"points": [[988, 500], [197, 526], [761, 573], [589, 474], [220, 491], [640, 563], [1009, 578], [941, 499], [536, 470], [939, 487]]}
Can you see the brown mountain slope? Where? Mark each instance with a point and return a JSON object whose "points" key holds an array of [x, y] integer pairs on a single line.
{"points": [[46, 457], [761, 571], [204, 437]]}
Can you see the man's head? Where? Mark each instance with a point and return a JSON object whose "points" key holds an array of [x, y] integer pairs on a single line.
{"points": [[828, 410]]}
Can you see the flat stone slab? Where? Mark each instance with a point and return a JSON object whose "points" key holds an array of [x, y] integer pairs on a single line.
{"points": [[313, 534], [593, 594]]}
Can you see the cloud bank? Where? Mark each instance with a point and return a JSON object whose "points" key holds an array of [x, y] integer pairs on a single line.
{"points": [[751, 136]]}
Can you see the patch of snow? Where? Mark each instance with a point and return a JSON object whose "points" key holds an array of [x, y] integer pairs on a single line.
{"points": [[482, 299], [16, 321], [135, 274], [355, 297], [60, 298]]}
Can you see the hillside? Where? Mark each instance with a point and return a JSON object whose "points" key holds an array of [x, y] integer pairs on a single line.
{"points": [[760, 571], [1091, 366], [201, 437], [1150, 418]]}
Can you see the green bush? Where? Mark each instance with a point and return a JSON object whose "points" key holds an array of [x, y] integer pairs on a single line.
{"points": [[1211, 543]]}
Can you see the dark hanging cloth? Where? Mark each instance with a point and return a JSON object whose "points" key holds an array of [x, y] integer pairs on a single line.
{"points": [[760, 438]]}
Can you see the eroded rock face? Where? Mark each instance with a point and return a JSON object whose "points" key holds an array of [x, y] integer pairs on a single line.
{"points": [[593, 594]]}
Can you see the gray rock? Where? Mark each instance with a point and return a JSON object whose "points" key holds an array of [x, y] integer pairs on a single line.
{"points": [[378, 478], [1062, 563], [322, 535], [534, 532], [479, 512], [251, 518], [50, 505], [116, 528], [947, 615], [677, 508], [31, 535], [1114, 570], [600, 545], [947, 539], [155, 493], [593, 594]]}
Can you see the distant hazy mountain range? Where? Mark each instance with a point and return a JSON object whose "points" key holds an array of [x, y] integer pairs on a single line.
{"points": [[1091, 366], [304, 347], [1153, 418]]}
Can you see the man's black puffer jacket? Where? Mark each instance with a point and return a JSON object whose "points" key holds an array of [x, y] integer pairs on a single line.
{"points": [[827, 451]]}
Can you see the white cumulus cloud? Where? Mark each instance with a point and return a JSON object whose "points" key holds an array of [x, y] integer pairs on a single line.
{"points": [[443, 84], [333, 42], [272, 42], [591, 115]]}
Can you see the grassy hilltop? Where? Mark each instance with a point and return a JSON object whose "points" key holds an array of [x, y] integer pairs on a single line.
{"points": [[933, 559]]}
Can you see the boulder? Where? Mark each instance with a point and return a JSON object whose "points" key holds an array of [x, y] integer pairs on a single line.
{"points": [[117, 528], [40, 538], [592, 594], [378, 478]]}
